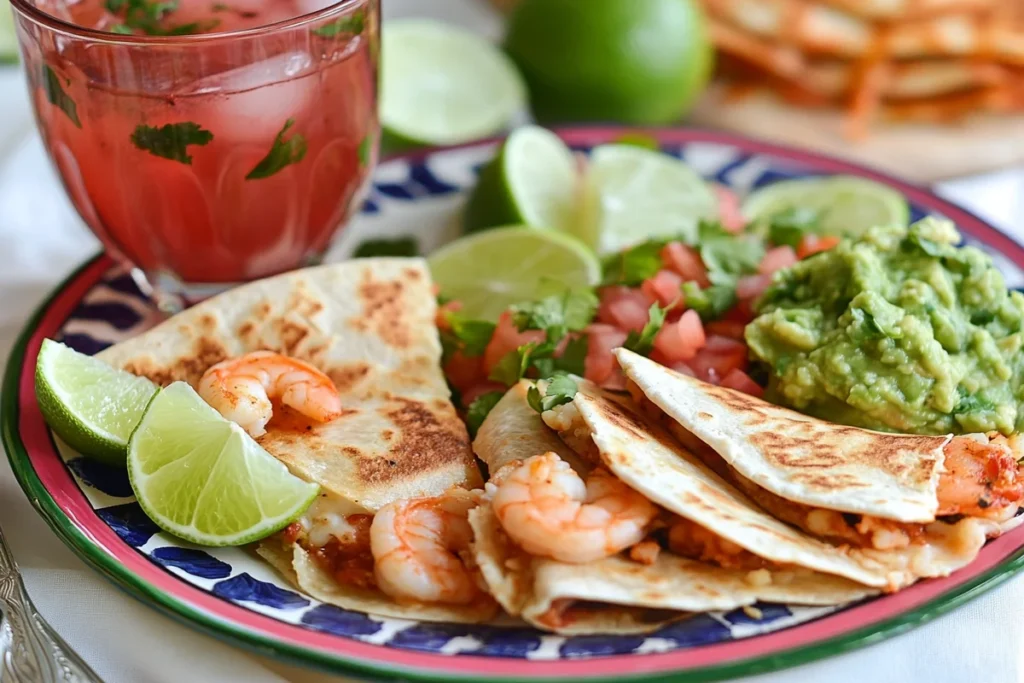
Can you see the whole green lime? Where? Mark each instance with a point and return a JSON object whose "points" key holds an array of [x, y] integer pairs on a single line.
{"points": [[633, 61]]}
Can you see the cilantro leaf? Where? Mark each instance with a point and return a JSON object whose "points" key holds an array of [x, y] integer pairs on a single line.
{"points": [[365, 149], [282, 153], [513, 365], [557, 314], [473, 335], [398, 246], [56, 95], [634, 265], [788, 227], [353, 23], [710, 303], [727, 256], [171, 140], [643, 341], [561, 389], [479, 409], [573, 357]]}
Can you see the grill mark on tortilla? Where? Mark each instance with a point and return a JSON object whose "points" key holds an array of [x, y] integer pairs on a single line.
{"points": [[426, 443], [206, 352], [346, 377], [383, 311], [291, 333]]}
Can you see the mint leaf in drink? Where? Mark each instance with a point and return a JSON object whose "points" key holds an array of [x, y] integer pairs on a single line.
{"points": [[352, 24], [171, 140], [479, 409], [56, 95], [121, 29], [398, 246], [282, 153], [224, 7], [147, 16]]}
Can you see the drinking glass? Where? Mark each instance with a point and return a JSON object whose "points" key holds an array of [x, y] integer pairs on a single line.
{"points": [[229, 142]]}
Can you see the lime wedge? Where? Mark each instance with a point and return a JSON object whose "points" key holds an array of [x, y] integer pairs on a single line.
{"points": [[635, 194], [202, 478], [8, 41], [490, 271], [846, 205], [532, 180], [442, 85], [89, 404]]}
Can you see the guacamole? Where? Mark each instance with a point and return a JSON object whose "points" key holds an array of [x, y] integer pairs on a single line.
{"points": [[899, 330]]}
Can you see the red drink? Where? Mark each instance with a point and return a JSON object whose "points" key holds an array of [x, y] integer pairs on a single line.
{"points": [[208, 157]]}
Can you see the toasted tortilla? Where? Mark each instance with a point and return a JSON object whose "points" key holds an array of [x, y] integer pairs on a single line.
{"points": [[800, 458], [648, 459], [614, 595], [369, 325]]}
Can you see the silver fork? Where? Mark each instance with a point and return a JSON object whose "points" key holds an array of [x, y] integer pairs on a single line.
{"points": [[30, 650]]}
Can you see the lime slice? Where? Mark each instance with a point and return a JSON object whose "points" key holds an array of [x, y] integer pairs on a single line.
{"points": [[532, 180], [846, 205], [490, 271], [8, 41], [635, 194], [202, 478], [89, 404], [442, 85]]}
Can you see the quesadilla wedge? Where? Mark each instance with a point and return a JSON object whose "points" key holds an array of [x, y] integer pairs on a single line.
{"points": [[613, 594], [876, 491], [368, 326]]}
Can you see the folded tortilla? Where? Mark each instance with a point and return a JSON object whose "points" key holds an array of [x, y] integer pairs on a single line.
{"points": [[616, 594], [369, 325]]}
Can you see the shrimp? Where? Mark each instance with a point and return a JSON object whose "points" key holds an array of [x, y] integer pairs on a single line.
{"points": [[415, 545], [689, 539], [241, 389], [980, 480], [546, 508]]}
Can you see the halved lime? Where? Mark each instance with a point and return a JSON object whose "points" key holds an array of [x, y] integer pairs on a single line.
{"points": [[490, 271], [202, 478], [443, 85], [635, 194], [90, 405], [846, 205], [533, 180], [8, 41]]}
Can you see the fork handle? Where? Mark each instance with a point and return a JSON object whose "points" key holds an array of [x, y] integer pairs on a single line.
{"points": [[31, 650]]}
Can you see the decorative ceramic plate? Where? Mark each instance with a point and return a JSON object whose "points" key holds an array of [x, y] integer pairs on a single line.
{"points": [[232, 594]]}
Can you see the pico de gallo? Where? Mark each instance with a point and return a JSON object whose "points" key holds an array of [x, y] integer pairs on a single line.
{"points": [[684, 305]]}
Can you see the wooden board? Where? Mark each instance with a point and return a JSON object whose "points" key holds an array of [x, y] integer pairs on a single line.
{"points": [[920, 152]]}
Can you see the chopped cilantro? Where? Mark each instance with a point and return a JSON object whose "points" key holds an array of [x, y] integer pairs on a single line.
{"points": [[643, 341], [513, 365], [353, 24], [727, 256], [788, 227], [397, 246], [56, 95], [981, 318], [473, 335], [171, 140], [711, 302], [282, 153], [634, 265], [561, 389], [557, 314], [971, 403], [479, 409]]}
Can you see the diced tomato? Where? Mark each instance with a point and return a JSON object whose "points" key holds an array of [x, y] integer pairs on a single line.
{"points": [[751, 286], [680, 340], [464, 372], [617, 381], [686, 262], [732, 329], [599, 365], [729, 209], [477, 390], [742, 312], [624, 307], [777, 259], [718, 358], [665, 287], [507, 338], [442, 314], [740, 381], [812, 244], [682, 368]]}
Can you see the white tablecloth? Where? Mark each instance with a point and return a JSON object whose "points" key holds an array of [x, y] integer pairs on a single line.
{"points": [[127, 642]]}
